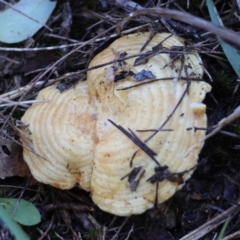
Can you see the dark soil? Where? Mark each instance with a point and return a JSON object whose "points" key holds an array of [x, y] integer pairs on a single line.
{"points": [[215, 185]]}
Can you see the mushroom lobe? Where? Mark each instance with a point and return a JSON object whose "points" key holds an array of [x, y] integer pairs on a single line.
{"points": [[59, 143], [127, 134]]}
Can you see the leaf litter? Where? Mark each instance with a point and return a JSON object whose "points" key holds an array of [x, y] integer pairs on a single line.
{"points": [[212, 192]]}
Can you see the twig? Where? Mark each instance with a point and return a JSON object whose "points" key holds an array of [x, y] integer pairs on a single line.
{"points": [[225, 34], [158, 79], [224, 122], [22, 103], [48, 229], [81, 44], [137, 141], [212, 224], [232, 236], [101, 230], [60, 37], [171, 114], [18, 92], [32, 84], [129, 233], [119, 229]]}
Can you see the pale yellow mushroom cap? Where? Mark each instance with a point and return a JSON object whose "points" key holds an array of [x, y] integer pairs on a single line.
{"points": [[59, 146], [72, 138]]}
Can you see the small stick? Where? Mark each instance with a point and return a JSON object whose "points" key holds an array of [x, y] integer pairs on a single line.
{"points": [[224, 122], [211, 224], [225, 34], [137, 141], [77, 44]]}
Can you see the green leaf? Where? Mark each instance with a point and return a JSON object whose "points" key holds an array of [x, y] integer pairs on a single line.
{"points": [[12, 225], [26, 213], [230, 52], [15, 27]]}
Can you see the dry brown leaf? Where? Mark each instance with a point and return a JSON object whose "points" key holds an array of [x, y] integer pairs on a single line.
{"points": [[11, 160]]}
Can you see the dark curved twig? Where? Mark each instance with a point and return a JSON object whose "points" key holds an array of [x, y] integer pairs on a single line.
{"points": [[225, 34]]}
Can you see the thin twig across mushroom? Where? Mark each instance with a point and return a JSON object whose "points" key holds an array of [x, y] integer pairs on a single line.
{"points": [[124, 133]]}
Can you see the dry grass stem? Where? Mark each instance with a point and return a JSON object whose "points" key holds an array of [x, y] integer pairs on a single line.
{"points": [[211, 224], [227, 35]]}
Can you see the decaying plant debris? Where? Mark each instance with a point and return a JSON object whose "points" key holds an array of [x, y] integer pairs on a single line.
{"points": [[214, 187]]}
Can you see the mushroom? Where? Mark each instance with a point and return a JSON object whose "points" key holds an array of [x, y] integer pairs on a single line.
{"points": [[127, 133]]}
